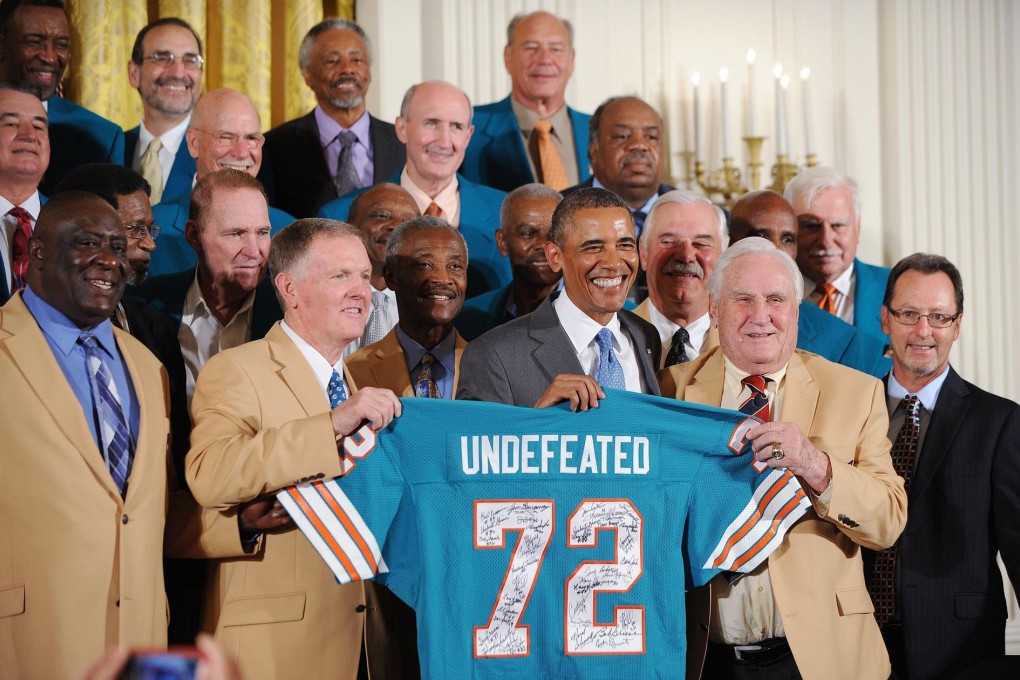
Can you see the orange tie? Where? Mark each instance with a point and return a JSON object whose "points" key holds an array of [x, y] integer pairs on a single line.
{"points": [[827, 302], [433, 210], [553, 174]]}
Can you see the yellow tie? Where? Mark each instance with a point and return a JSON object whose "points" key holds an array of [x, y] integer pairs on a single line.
{"points": [[553, 174], [827, 302], [152, 170]]}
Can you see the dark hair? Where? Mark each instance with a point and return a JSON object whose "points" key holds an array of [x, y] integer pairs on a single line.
{"points": [[424, 223], [106, 180], [925, 263], [525, 192], [596, 118], [9, 7], [582, 199], [330, 24], [228, 178], [136, 51]]}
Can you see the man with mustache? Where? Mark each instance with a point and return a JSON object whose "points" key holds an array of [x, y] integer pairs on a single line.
{"points": [[828, 209], [426, 268], [24, 156], [166, 68], [435, 125], [224, 134], [684, 234], [524, 223], [35, 46], [338, 147], [377, 212], [532, 135]]}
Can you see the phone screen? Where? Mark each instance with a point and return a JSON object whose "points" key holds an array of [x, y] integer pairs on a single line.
{"points": [[168, 664]]}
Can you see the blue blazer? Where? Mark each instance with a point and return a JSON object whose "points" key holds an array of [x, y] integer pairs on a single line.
{"points": [[496, 155], [77, 137], [166, 293], [479, 220], [182, 172], [173, 252], [836, 340], [871, 281]]}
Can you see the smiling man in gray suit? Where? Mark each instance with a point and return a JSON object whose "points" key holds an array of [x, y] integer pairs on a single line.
{"points": [[578, 341]]}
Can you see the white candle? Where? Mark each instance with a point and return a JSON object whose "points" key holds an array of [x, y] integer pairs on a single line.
{"points": [[777, 72], [695, 81], [809, 147], [784, 83], [724, 112], [750, 92]]}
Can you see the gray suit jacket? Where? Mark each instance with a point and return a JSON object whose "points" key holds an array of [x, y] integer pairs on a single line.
{"points": [[515, 363]]}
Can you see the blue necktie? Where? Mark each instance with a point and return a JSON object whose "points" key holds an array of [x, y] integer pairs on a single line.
{"points": [[610, 373], [335, 390], [113, 433], [425, 387]]}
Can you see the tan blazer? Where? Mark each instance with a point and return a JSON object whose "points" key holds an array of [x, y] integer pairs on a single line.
{"points": [[816, 573], [711, 337], [382, 364], [261, 422], [80, 568]]}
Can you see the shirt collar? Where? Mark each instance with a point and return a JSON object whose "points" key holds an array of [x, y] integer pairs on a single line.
{"points": [[527, 118], [32, 204], [320, 367], [697, 330], [928, 395], [329, 128], [194, 301], [444, 351], [842, 283], [63, 332], [171, 139], [446, 199], [735, 376], [581, 328], [646, 208]]}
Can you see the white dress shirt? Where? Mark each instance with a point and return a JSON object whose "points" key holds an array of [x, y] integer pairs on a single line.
{"points": [[697, 331], [320, 367]]}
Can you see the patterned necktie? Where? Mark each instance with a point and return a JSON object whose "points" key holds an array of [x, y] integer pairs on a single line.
{"points": [[346, 174], [152, 170], [19, 247], [610, 372], [379, 322], [677, 350], [425, 386], [335, 390], [758, 403], [113, 433], [433, 210], [553, 172], [882, 584], [827, 303]]}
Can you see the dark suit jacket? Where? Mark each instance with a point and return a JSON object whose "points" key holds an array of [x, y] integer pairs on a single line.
{"points": [[181, 173], [166, 293], [77, 137], [173, 252], [496, 155], [479, 219], [590, 182], [964, 505], [294, 169], [516, 362]]}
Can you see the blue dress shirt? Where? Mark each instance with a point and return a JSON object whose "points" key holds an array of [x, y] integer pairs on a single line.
{"points": [[442, 368]]}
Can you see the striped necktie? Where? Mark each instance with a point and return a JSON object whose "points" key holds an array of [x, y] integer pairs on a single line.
{"points": [[19, 247], [112, 429], [757, 404], [335, 390]]}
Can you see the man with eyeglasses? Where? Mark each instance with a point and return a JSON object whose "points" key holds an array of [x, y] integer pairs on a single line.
{"points": [[35, 46], [938, 593], [166, 69], [224, 134]]}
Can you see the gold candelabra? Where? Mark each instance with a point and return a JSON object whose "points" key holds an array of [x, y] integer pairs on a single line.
{"points": [[723, 185]]}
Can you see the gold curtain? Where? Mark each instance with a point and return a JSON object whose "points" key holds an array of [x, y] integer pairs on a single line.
{"points": [[250, 45]]}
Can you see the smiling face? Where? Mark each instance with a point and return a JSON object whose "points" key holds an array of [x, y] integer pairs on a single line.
{"points": [[436, 132], [626, 155], [233, 240], [756, 314], [679, 252], [428, 274], [36, 48], [24, 138], [225, 133], [382, 209], [168, 90], [829, 232], [524, 242], [80, 258], [339, 71], [599, 260], [540, 61], [920, 352], [767, 215], [134, 209]]}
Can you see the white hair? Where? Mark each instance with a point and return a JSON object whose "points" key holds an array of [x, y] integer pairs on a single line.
{"points": [[749, 246], [809, 183], [684, 197]]}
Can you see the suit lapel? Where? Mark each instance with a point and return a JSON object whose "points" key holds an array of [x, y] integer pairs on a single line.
{"points": [[646, 361], [800, 395], [295, 372], [458, 352], [181, 173], [389, 366], [307, 148], [152, 411], [950, 411], [707, 385], [579, 122], [553, 352]]}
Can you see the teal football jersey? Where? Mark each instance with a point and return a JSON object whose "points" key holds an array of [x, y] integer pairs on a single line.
{"points": [[541, 543]]}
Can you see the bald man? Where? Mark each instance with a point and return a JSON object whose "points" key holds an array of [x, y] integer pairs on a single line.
{"points": [[224, 133], [767, 214]]}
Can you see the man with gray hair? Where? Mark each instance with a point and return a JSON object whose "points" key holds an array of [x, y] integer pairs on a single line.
{"points": [[828, 207], [426, 268], [338, 147], [532, 135], [684, 235], [805, 611], [524, 223]]}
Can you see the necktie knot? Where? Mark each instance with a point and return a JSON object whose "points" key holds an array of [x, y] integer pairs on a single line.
{"points": [[911, 406], [335, 390], [678, 347], [543, 126], [347, 179], [433, 210], [828, 300], [346, 138], [757, 383]]}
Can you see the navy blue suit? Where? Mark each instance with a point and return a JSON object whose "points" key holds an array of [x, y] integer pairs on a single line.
{"points": [[181, 173], [496, 156], [78, 136], [173, 252], [479, 219]]}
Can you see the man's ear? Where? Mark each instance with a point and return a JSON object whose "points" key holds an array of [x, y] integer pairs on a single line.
{"points": [[388, 276], [191, 234], [553, 255], [501, 243]]}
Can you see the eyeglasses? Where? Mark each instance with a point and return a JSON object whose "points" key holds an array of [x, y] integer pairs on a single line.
{"points": [[253, 140], [192, 62], [138, 232], [909, 317]]}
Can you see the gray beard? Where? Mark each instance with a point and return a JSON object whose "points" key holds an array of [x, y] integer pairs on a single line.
{"points": [[349, 103]]}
